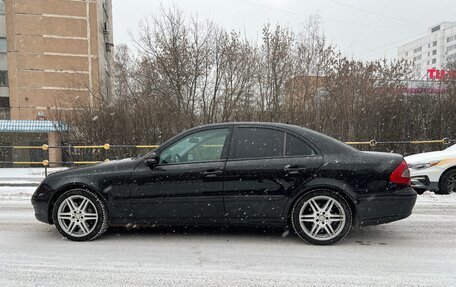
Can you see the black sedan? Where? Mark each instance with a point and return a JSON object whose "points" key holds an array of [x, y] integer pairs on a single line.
{"points": [[233, 174]]}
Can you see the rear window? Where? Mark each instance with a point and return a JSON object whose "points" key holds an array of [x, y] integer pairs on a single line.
{"points": [[297, 147]]}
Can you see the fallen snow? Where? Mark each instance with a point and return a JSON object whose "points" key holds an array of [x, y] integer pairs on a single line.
{"points": [[432, 198], [24, 176], [417, 251]]}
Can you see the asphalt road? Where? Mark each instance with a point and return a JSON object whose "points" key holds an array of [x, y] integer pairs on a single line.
{"points": [[418, 251]]}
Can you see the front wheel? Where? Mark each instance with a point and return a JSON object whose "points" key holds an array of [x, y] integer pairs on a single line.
{"points": [[321, 217], [419, 190], [80, 215], [447, 183]]}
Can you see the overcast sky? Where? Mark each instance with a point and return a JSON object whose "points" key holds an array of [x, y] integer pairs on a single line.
{"points": [[364, 29]]}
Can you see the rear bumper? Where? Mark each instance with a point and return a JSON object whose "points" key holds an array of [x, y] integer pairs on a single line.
{"points": [[386, 207]]}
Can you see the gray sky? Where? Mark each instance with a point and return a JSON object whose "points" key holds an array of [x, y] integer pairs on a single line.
{"points": [[364, 29]]}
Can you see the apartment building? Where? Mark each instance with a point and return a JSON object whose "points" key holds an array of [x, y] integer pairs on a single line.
{"points": [[432, 51], [54, 56]]}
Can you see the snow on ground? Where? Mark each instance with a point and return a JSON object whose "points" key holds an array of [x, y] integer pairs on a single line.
{"points": [[417, 251], [428, 197], [24, 176]]}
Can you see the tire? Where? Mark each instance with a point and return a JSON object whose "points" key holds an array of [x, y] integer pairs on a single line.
{"points": [[76, 222], [447, 183], [316, 226], [419, 191]]}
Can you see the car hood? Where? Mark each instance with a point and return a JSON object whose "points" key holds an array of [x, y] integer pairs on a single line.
{"points": [[429, 156], [127, 164]]}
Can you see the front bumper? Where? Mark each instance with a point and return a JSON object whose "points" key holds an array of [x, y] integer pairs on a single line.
{"points": [[426, 178], [423, 182], [386, 206], [40, 201]]}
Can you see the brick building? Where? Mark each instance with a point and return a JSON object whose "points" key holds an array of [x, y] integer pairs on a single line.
{"points": [[54, 54]]}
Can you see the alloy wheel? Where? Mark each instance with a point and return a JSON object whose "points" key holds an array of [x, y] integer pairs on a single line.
{"points": [[322, 218], [77, 216]]}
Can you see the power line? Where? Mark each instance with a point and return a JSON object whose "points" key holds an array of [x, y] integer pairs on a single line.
{"points": [[378, 49], [375, 13], [325, 18]]}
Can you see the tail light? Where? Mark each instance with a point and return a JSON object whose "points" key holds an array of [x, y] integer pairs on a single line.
{"points": [[401, 175]]}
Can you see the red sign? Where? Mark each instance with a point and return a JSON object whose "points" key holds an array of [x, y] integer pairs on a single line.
{"points": [[435, 74]]}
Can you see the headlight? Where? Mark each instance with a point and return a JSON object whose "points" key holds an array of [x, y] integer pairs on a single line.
{"points": [[423, 165]]}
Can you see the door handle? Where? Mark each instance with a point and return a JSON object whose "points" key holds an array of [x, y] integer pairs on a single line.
{"points": [[295, 169], [211, 173]]}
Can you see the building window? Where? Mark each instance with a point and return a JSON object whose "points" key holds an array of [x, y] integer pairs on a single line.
{"points": [[434, 52], [3, 62], [434, 61], [4, 108], [4, 102], [434, 43], [3, 78], [406, 54], [449, 39], [417, 58], [109, 47], [417, 50], [3, 45], [435, 29]]}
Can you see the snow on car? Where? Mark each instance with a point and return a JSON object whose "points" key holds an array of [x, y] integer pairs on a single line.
{"points": [[434, 171]]}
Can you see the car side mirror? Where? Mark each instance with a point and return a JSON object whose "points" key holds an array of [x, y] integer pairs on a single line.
{"points": [[152, 161]]}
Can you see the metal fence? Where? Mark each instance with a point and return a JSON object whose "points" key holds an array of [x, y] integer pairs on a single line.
{"points": [[102, 154], [103, 151]]}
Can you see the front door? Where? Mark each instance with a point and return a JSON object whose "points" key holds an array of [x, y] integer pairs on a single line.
{"points": [[186, 184]]}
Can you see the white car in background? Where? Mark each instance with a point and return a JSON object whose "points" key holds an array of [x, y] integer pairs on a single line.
{"points": [[434, 171]]}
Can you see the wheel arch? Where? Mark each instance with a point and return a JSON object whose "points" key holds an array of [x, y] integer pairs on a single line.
{"points": [[340, 191], [65, 188]]}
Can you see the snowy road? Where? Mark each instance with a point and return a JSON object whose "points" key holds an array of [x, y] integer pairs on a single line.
{"points": [[418, 251]]}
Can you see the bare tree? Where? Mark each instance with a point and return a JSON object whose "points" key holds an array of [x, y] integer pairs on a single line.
{"points": [[189, 72]]}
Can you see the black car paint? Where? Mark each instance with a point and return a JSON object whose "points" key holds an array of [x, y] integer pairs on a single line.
{"points": [[237, 191]]}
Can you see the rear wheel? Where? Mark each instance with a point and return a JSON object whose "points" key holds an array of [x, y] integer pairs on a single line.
{"points": [[447, 182], [80, 215], [321, 217]]}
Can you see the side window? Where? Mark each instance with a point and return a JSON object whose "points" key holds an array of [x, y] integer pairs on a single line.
{"points": [[258, 142], [200, 146], [296, 147]]}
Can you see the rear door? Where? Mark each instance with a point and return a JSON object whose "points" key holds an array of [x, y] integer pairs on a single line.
{"points": [[264, 166]]}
